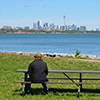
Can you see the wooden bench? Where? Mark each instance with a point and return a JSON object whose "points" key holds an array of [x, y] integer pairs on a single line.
{"points": [[80, 78], [74, 78]]}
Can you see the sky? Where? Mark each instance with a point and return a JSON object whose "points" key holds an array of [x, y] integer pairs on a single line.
{"points": [[23, 13]]}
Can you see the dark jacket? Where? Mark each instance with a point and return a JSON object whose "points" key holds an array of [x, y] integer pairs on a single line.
{"points": [[38, 71]]}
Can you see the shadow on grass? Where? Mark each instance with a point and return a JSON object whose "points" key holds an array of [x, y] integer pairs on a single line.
{"points": [[55, 91]]}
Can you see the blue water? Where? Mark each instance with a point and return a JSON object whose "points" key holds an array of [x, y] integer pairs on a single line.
{"points": [[60, 43]]}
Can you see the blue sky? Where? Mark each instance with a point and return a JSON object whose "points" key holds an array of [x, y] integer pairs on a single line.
{"points": [[25, 12]]}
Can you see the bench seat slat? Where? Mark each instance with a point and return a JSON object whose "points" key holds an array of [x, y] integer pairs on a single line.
{"points": [[58, 82], [74, 78]]}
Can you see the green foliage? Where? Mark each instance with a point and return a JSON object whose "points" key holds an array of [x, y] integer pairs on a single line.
{"points": [[9, 63], [3, 31], [44, 31], [77, 52]]}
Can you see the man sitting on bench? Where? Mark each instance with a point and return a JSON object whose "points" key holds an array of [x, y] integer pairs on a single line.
{"points": [[37, 71]]}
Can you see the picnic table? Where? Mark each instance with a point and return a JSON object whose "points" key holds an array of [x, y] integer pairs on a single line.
{"points": [[80, 78]]}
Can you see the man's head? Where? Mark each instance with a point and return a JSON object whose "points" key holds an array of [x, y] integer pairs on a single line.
{"points": [[37, 56]]}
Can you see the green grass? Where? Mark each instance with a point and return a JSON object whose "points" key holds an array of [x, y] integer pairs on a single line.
{"points": [[12, 91]]}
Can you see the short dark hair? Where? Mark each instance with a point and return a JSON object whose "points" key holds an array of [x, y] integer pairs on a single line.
{"points": [[38, 55]]}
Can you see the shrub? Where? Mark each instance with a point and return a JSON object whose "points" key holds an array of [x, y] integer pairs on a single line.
{"points": [[77, 52]]}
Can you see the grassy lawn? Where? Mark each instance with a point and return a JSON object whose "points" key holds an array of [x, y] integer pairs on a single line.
{"points": [[12, 91]]}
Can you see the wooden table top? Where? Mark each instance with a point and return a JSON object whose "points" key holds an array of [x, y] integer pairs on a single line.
{"points": [[62, 71]]}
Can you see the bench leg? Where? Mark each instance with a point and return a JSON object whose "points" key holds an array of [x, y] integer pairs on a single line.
{"points": [[23, 89], [80, 80], [79, 90]]}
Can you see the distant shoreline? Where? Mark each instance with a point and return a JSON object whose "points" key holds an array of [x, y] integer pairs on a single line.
{"points": [[51, 32], [56, 33], [46, 31], [52, 54]]}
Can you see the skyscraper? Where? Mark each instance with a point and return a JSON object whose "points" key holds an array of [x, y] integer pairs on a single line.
{"points": [[34, 25], [39, 24], [45, 24], [73, 27], [83, 28]]}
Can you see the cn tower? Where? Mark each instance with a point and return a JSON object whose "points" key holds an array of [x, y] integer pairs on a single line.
{"points": [[64, 21]]}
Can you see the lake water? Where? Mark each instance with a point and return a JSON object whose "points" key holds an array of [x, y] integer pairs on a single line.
{"points": [[88, 43]]}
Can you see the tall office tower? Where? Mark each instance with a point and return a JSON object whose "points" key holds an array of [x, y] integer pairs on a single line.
{"points": [[83, 28], [45, 24], [64, 21], [73, 27], [66, 27], [34, 25], [62, 28], [52, 26], [57, 27], [39, 24]]}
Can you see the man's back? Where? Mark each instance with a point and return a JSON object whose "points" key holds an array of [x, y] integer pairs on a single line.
{"points": [[37, 71]]}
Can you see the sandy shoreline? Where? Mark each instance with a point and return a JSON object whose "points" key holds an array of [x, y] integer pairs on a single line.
{"points": [[52, 54]]}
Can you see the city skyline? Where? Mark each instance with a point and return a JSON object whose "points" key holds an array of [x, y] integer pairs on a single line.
{"points": [[64, 27], [25, 12], [52, 26]]}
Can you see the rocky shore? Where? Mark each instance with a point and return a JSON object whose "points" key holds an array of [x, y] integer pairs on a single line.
{"points": [[52, 54]]}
